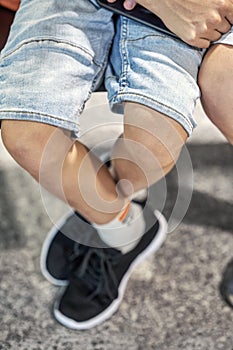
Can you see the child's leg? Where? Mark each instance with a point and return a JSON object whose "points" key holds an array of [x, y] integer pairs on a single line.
{"points": [[147, 151], [66, 168], [154, 79], [216, 83], [49, 67], [149, 148]]}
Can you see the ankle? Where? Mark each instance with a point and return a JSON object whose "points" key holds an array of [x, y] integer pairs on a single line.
{"points": [[125, 230]]}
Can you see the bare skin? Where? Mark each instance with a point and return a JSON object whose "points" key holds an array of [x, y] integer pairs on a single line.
{"points": [[72, 173], [216, 83], [10, 4], [196, 22]]}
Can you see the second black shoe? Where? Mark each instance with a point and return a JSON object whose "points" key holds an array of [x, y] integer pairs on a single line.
{"points": [[226, 286]]}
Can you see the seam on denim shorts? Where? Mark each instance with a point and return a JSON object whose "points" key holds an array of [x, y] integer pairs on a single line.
{"points": [[123, 80], [156, 34], [41, 118], [135, 97], [199, 51], [19, 111], [49, 40], [97, 78]]}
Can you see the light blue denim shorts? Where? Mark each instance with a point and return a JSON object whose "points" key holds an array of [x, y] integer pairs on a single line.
{"points": [[59, 52]]}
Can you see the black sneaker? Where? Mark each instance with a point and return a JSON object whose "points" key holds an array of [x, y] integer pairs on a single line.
{"points": [[60, 245], [98, 278], [226, 286]]}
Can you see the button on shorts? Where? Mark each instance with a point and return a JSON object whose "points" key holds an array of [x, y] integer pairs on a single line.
{"points": [[59, 52]]}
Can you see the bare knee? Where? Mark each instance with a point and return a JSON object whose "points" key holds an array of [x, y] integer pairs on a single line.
{"points": [[25, 141], [149, 147], [162, 136]]}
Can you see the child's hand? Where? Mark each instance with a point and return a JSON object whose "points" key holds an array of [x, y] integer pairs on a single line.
{"points": [[128, 4], [10, 4]]}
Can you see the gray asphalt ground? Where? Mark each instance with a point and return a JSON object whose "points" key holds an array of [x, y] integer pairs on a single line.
{"points": [[172, 300]]}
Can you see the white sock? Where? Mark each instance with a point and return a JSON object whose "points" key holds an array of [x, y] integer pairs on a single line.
{"points": [[125, 230]]}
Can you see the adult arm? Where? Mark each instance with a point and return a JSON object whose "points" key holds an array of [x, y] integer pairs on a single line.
{"points": [[197, 22]]}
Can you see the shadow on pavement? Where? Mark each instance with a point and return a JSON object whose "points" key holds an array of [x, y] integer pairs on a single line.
{"points": [[209, 155], [207, 208], [209, 211], [211, 204], [11, 234]]}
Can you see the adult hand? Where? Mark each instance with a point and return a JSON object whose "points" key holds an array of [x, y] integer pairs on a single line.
{"points": [[197, 22], [10, 4]]}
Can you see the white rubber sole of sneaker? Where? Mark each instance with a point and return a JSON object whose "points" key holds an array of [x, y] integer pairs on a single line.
{"points": [[113, 307], [45, 248]]}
